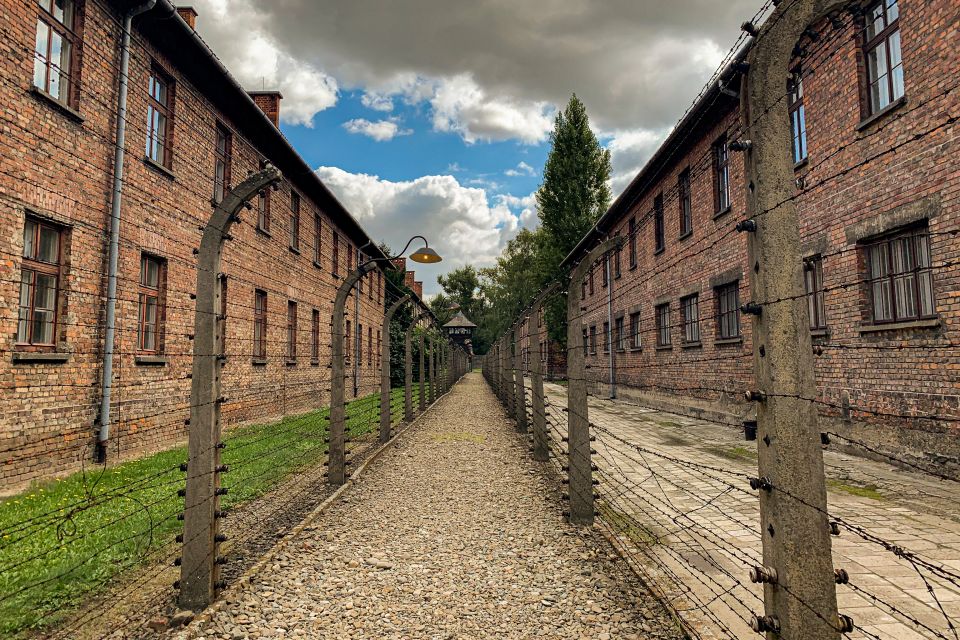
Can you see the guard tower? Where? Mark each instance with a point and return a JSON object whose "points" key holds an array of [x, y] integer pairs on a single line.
{"points": [[460, 330]]}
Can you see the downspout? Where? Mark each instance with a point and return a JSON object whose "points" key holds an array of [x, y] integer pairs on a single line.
{"points": [[114, 250], [613, 372]]}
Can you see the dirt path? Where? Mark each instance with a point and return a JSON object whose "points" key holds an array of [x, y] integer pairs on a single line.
{"points": [[452, 534]]}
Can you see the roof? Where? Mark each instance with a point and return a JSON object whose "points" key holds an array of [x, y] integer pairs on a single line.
{"points": [[167, 31], [460, 320], [711, 100]]}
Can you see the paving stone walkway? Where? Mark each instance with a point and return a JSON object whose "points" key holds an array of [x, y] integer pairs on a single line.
{"points": [[453, 533], [707, 527]]}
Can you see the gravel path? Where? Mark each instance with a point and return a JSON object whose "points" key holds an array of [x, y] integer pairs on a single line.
{"points": [[454, 533]]}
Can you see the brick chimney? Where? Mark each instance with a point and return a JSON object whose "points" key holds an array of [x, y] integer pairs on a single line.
{"points": [[418, 287], [269, 103], [189, 16], [408, 279], [400, 264]]}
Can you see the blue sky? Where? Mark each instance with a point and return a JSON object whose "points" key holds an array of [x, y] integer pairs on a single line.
{"points": [[433, 116]]}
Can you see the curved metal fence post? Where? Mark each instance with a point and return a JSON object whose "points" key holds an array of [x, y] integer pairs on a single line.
{"points": [[578, 421], [199, 578], [385, 390]]}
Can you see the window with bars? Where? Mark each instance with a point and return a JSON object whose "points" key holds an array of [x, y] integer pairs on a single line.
{"points": [[635, 341], [55, 61], [728, 311], [369, 346], [662, 316], [150, 303], [159, 117], [686, 203], [813, 283], [593, 339], [619, 340], [221, 165], [590, 279], [263, 210], [291, 331], [606, 337], [798, 115], [633, 242], [690, 311], [900, 277], [315, 337], [881, 51], [294, 220], [721, 175], [336, 254], [40, 283], [259, 324], [659, 240], [317, 238]]}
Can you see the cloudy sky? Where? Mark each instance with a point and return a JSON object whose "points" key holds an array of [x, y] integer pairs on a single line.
{"points": [[433, 116]]}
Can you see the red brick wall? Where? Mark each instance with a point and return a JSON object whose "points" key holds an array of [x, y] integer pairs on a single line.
{"points": [[58, 166], [853, 190]]}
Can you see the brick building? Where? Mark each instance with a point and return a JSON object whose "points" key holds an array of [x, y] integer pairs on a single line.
{"points": [[191, 133], [878, 231]]}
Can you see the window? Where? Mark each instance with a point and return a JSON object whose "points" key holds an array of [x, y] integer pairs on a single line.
{"points": [[616, 260], [159, 118], [359, 344], [618, 337], [881, 49], [605, 271], [294, 220], [798, 117], [263, 211], [347, 349], [900, 278], [54, 60], [317, 236], [315, 337], [633, 242], [813, 283], [635, 330], [291, 331], [336, 254], [591, 279], [606, 337], [686, 203], [586, 342], [379, 286], [221, 166], [379, 348], [39, 283], [658, 231], [369, 346], [690, 309], [593, 339], [150, 317], [728, 311], [721, 175], [259, 324], [663, 324], [583, 289]]}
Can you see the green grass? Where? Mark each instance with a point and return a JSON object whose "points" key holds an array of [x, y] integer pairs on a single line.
{"points": [[626, 525], [870, 491], [63, 540], [735, 453]]}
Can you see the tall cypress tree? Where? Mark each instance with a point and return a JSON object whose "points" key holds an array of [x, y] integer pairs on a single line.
{"points": [[574, 194]]}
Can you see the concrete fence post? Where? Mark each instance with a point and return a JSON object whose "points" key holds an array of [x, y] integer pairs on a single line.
{"points": [[541, 448], [802, 601], [431, 369], [337, 453], [199, 579], [578, 420], [519, 393], [385, 390], [422, 400], [408, 369]]}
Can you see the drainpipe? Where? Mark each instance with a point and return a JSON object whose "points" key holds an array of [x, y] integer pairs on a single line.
{"points": [[613, 372], [114, 250]]}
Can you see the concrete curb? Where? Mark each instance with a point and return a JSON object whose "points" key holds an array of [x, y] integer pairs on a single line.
{"points": [[250, 574]]}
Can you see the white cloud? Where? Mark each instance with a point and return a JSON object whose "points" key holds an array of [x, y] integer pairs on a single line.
{"points": [[381, 130], [377, 101], [629, 151], [528, 208], [454, 167], [459, 221], [522, 169], [461, 106]]}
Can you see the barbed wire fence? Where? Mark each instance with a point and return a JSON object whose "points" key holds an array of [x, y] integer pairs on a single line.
{"points": [[693, 518], [119, 537]]}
